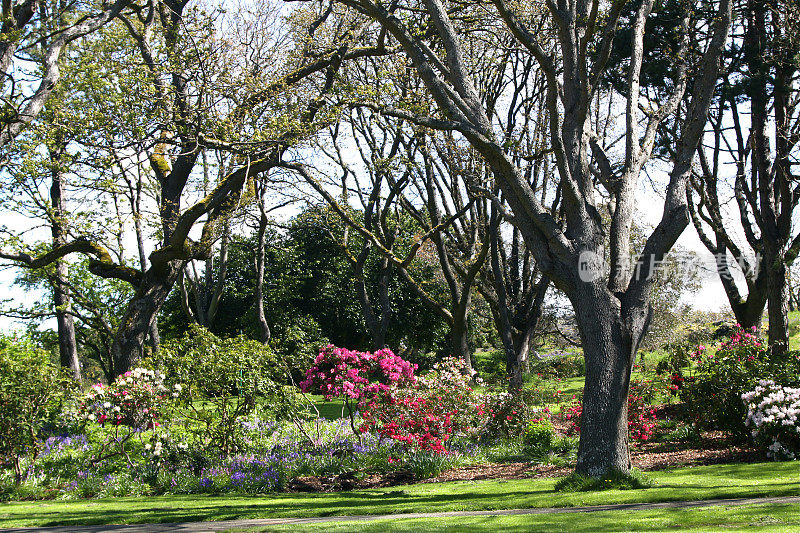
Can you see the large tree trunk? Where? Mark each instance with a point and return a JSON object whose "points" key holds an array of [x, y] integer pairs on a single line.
{"points": [[609, 346], [141, 313]]}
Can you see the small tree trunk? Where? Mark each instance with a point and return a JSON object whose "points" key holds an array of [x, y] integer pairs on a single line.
{"points": [[460, 339], [778, 307], [264, 333], [370, 320], [385, 300], [67, 344], [154, 337]]}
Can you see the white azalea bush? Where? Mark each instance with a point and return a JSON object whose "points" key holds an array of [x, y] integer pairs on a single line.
{"points": [[136, 399], [131, 408], [772, 416]]}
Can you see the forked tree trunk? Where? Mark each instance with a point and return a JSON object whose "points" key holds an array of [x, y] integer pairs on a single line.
{"points": [[377, 325], [141, 314]]}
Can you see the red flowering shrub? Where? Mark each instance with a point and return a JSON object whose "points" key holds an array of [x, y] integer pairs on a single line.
{"points": [[676, 382], [417, 421], [426, 412], [641, 416]]}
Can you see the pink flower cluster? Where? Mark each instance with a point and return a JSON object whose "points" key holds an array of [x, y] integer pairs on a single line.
{"points": [[356, 375], [742, 343]]}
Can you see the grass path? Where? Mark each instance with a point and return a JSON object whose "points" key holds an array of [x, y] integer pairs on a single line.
{"points": [[755, 480]]}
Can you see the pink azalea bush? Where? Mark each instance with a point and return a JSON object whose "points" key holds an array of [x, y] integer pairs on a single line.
{"points": [[356, 375], [421, 412]]}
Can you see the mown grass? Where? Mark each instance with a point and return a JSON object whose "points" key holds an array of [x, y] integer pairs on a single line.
{"points": [[707, 482], [770, 517], [330, 409]]}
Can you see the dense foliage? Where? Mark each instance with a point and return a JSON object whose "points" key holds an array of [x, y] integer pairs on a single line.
{"points": [[713, 392], [31, 392], [223, 381]]}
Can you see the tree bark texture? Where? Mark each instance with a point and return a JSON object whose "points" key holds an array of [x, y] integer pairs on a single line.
{"points": [[141, 314], [67, 343]]}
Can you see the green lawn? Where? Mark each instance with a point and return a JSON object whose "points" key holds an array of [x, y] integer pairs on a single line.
{"points": [[772, 517], [718, 481], [331, 410]]}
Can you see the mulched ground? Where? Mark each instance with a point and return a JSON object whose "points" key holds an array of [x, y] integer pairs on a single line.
{"points": [[712, 448]]}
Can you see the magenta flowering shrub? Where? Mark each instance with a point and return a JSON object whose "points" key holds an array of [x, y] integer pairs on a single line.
{"points": [[421, 413], [356, 375]]}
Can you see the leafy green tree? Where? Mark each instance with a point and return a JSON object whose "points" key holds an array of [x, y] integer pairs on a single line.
{"points": [[31, 391], [183, 98]]}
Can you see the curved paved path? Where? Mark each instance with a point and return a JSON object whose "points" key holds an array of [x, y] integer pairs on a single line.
{"points": [[223, 525]]}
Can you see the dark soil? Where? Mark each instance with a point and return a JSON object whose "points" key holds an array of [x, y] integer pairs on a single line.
{"points": [[710, 448]]}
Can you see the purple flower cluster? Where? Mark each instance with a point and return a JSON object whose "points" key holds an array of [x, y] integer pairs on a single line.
{"points": [[62, 443]]}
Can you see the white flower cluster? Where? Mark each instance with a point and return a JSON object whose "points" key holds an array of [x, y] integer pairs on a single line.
{"points": [[156, 450], [772, 412], [450, 371], [140, 375]]}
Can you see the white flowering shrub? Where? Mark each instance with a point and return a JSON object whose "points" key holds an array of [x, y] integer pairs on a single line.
{"points": [[772, 412], [130, 412], [136, 399]]}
